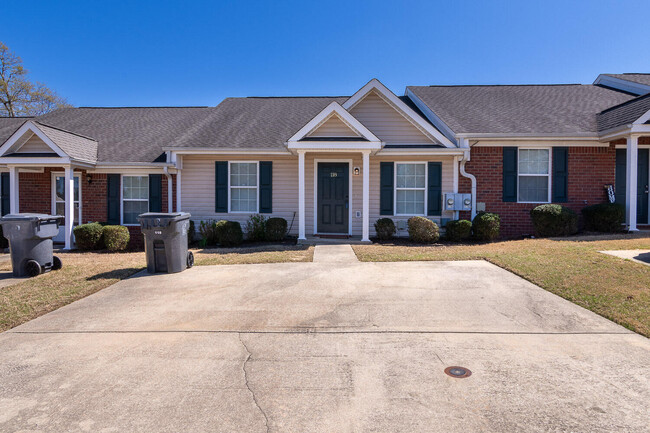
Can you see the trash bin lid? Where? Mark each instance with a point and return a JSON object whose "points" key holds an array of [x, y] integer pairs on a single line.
{"points": [[30, 217], [165, 216]]}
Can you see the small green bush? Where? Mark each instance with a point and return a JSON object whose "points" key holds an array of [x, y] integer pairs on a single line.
{"points": [[116, 238], [88, 236], [275, 229], [208, 231], [229, 233], [4, 243], [554, 220], [385, 228], [604, 217], [255, 228], [486, 226], [459, 230], [423, 230]]}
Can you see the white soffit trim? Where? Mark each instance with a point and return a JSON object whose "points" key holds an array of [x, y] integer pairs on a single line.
{"points": [[222, 151], [347, 118], [27, 127], [643, 119], [543, 143], [401, 107], [622, 84]]}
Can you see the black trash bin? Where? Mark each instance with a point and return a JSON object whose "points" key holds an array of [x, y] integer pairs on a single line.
{"points": [[30, 242], [165, 240]]}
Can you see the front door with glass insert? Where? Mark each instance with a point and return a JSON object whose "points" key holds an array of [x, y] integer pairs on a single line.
{"points": [[58, 202]]}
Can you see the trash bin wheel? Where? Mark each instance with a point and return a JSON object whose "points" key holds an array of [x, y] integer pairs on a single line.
{"points": [[56, 263], [32, 268], [190, 259]]}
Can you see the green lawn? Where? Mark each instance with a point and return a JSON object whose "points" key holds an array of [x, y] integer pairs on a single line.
{"points": [[569, 267]]}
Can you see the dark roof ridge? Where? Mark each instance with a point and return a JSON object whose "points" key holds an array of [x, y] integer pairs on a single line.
{"points": [[503, 85], [18, 117], [161, 106], [66, 131], [288, 97], [613, 107]]}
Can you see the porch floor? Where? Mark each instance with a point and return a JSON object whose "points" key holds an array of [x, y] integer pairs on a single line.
{"points": [[316, 240]]}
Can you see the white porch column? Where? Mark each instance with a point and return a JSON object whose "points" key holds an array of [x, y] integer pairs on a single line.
{"points": [[69, 205], [365, 234], [301, 195], [632, 157], [14, 199]]}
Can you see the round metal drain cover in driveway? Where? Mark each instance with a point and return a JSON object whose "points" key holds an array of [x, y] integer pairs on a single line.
{"points": [[458, 372]]}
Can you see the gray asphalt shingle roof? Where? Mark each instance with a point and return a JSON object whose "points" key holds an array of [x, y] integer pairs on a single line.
{"points": [[635, 78], [253, 123], [520, 109], [624, 114], [9, 125], [74, 145]]}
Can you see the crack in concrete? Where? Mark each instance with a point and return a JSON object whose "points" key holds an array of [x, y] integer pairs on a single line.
{"points": [[248, 357]]}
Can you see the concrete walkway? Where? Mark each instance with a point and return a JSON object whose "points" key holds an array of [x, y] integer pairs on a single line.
{"points": [[639, 256], [324, 347], [334, 254]]}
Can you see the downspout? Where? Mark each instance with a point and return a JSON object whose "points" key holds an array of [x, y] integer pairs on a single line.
{"points": [[464, 143], [170, 195]]}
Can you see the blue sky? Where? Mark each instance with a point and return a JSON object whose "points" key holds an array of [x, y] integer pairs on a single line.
{"points": [[142, 53]]}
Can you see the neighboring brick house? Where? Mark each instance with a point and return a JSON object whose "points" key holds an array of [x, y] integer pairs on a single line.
{"points": [[333, 165]]}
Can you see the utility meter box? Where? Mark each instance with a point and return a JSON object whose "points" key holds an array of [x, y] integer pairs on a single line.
{"points": [[455, 201]]}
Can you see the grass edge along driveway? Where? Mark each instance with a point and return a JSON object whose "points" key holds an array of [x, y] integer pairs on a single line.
{"points": [[572, 268]]}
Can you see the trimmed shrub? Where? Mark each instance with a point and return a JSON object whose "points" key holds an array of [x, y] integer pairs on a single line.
{"points": [[275, 229], [208, 231], [88, 236], [385, 228], [4, 243], [255, 228], [422, 230], [116, 238], [229, 233], [486, 226], [604, 217], [458, 230], [554, 220]]}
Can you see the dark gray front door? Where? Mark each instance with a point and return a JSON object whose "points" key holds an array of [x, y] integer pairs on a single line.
{"points": [[333, 199], [642, 182]]}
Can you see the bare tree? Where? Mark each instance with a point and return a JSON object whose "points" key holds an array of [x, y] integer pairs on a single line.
{"points": [[18, 95]]}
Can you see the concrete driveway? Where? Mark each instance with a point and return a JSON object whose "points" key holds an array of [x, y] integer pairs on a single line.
{"points": [[324, 347]]}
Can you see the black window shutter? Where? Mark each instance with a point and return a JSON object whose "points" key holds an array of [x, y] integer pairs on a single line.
{"points": [[386, 180], [560, 181], [509, 174], [434, 189], [5, 205], [113, 205], [221, 186], [621, 170], [155, 193], [266, 186]]}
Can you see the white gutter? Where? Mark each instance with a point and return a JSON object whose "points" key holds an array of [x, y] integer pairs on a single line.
{"points": [[466, 157], [170, 196]]}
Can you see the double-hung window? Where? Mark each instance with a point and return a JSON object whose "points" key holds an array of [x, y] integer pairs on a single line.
{"points": [[410, 188], [244, 181], [534, 176], [135, 198]]}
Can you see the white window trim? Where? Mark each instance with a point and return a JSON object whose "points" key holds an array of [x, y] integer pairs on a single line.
{"points": [[257, 188], [426, 187], [549, 174], [56, 174], [122, 176]]}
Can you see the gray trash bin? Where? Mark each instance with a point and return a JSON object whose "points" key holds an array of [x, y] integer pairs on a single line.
{"points": [[165, 241], [30, 242]]}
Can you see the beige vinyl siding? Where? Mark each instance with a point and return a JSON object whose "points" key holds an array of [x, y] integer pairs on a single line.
{"points": [[333, 127], [35, 145], [198, 189], [387, 123]]}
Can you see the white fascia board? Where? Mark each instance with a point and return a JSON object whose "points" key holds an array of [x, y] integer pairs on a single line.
{"points": [[390, 97], [30, 126], [643, 119], [215, 151], [345, 116], [41, 161], [541, 143], [417, 152], [531, 136], [334, 145], [433, 117], [621, 84]]}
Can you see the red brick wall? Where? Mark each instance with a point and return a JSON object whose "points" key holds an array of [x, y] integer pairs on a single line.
{"points": [[36, 196], [590, 168]]}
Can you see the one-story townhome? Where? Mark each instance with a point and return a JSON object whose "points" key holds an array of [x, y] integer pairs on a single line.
{"points": [[334, 165]]}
